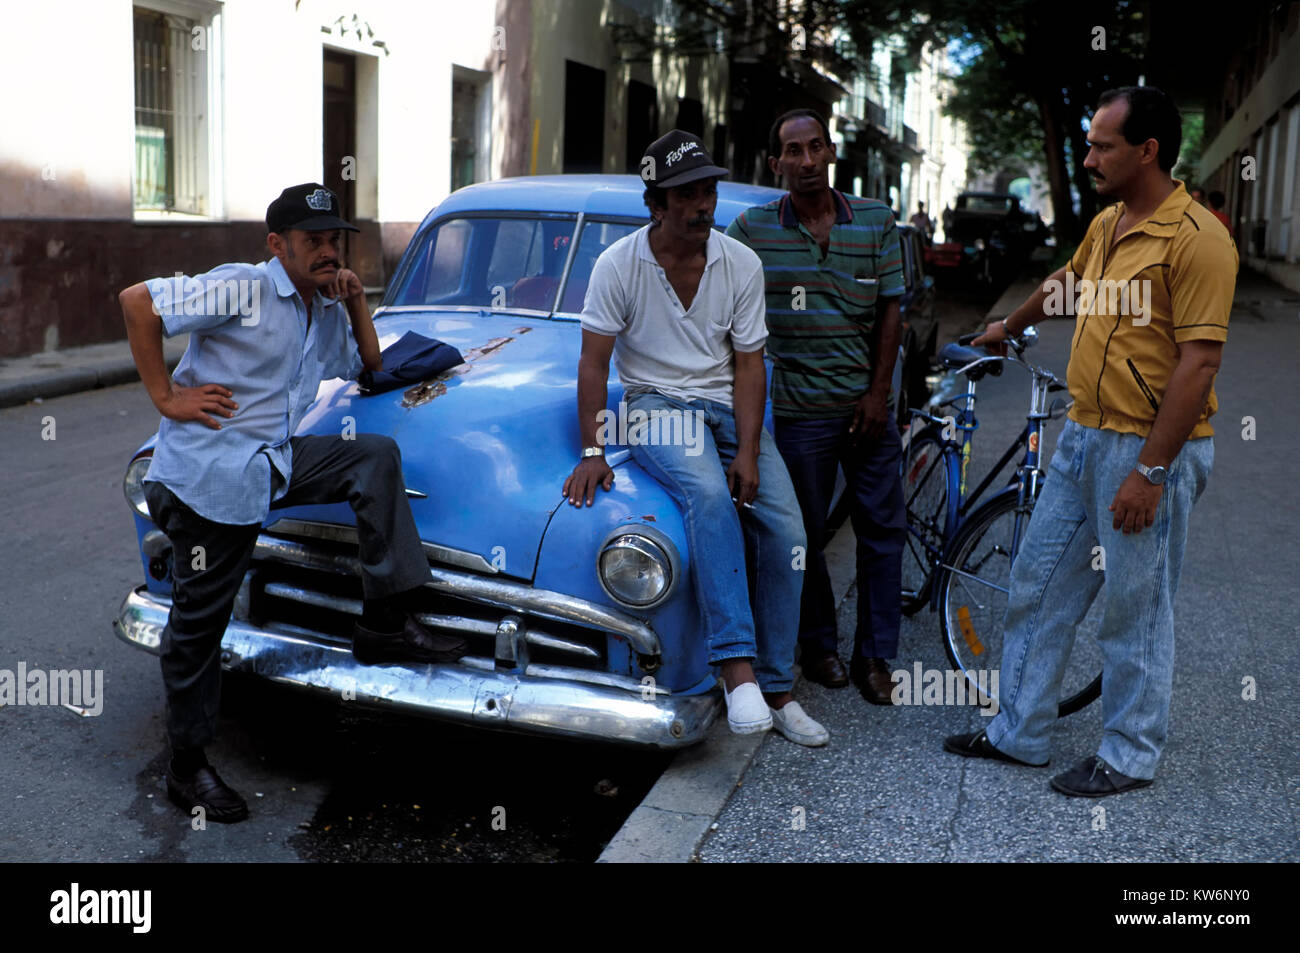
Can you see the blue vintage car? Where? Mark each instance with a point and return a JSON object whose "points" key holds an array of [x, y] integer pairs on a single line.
{"points": [[581, 622]]}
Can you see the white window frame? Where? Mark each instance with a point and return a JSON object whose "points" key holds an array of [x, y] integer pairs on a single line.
{"points": [[208, 14]]}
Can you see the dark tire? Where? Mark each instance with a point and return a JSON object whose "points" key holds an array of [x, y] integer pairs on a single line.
{"points": [[925, 494], [972, 607]]}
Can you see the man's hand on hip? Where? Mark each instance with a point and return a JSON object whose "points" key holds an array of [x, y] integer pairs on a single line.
{"points": [[195, 403], [586, 476], [1135, 504]]}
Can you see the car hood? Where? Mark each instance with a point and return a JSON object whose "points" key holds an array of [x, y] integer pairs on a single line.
{"points": [[490, 442]]}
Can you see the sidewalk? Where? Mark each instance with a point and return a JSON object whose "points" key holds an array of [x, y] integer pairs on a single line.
{"points": [[884, 790], [55, 373]]}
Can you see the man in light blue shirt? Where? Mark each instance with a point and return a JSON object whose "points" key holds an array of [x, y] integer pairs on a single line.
{"points": [[262, 338]]}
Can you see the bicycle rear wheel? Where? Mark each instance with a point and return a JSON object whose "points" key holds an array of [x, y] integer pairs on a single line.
{"points": [[973, 605], [925, 492]]}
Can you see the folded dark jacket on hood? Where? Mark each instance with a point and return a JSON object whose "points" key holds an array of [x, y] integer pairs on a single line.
{"points": [[409, 360]]}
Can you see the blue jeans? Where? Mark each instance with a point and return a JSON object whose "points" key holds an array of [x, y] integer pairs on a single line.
{"points": [[813, 450], [1053, 585], [695, 477]]}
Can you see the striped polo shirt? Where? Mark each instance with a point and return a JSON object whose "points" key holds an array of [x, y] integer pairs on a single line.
{"points": [[820, 316]]}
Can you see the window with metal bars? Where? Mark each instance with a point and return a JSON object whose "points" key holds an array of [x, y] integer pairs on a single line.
{"points": [[171, 109]]}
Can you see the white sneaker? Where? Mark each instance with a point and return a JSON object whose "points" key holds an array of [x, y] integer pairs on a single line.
{"points": [[793, 722], [747, 712]]}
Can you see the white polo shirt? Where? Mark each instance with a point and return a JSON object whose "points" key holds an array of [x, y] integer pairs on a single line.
{"points": [[661, 346]]}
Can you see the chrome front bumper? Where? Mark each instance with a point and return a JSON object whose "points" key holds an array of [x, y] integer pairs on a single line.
{"points": [[546, 699]]}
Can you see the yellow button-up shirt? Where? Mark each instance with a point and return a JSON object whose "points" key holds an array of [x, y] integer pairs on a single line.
{"points": [[1168, 279]]}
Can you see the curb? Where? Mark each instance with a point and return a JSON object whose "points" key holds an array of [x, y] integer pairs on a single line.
{"points": [[675, 817], [84, 372]]}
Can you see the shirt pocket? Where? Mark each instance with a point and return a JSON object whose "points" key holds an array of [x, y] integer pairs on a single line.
{"points": [[859, 291], [1147, 393]]}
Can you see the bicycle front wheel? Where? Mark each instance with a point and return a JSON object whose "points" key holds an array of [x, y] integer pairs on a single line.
{"points": [[925, 493], [973, 603]]}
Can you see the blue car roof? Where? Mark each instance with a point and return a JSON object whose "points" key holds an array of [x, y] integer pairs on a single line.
{"points": [[593, 194]]}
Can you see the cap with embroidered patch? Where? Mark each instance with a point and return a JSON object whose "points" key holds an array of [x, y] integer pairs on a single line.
{"points": [[676, 159], [310, 206]]}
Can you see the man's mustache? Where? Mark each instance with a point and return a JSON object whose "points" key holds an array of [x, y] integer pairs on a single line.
{"points": [[331, 263], [706, 220]]}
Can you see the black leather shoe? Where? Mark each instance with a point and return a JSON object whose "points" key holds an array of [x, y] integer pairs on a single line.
{"points": [[977, 745], [871, 675], [1095, 778], [414, 643], [825, 669], [205, 789]]}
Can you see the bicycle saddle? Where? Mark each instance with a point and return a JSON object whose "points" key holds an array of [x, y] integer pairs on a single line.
{"points": [[959, 354]]}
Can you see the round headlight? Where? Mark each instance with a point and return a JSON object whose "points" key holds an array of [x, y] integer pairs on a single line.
{"points": [[635, 570], [133, 484]]}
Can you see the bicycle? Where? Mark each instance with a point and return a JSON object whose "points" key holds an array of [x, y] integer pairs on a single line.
{"points": [[958, 555]]}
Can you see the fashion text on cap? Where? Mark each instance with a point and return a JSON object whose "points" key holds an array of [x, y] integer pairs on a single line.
{"points": [[676, 159]]}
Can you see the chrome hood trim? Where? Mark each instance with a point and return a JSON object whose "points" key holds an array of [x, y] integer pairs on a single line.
{"points": [[313, 529], [545, 699]]}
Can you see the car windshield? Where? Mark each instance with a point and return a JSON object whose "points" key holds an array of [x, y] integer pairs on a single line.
{"points": [[505, 262]]}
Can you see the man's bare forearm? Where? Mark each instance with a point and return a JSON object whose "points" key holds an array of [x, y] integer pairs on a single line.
{"points": [[748, 396], [363, 332], [1031, 312], [593, 392], [889, 330], [144, 333]]}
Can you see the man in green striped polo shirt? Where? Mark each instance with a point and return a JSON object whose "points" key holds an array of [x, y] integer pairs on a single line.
{"points": [[834, 273]]}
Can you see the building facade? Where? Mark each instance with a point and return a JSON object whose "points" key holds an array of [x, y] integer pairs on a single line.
{"points": [[1252, 136]]}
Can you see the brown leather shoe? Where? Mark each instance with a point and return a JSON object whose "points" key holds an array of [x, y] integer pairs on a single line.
{"points": [[414, 643], [871, 675], [825, 670]]}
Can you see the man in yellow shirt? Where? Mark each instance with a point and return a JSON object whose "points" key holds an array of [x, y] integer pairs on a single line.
{"points": [[1154, 279]]}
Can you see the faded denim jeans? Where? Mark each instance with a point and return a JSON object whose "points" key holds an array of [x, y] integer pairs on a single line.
{"points": [[718, 538], [1053, 585]]}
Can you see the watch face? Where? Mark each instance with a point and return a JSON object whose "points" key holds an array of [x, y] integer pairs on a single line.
{"points": [[1156, 475]]}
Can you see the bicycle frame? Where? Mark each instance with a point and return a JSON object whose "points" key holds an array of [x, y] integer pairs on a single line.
{"points": [[956, 459]]}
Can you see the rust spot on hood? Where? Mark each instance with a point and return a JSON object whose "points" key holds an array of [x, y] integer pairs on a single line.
{"points": [[426, 391]]}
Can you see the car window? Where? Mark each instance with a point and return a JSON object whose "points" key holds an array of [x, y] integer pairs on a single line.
{"points": [[596, 237], [489, 263]]}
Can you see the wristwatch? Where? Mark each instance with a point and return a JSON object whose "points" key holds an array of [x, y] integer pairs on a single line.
{"points": [[592, 452], [1155, 475]]}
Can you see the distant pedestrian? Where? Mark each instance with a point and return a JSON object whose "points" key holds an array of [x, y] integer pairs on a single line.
{"points": [[921, 222], [1216, 209]]}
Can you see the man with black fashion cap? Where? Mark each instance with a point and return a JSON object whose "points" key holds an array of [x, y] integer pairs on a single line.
{"points": [[262, 338], [679, 306]]}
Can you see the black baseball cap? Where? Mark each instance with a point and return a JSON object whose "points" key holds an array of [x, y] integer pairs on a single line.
{"points": [[311, 207], [679, 157]]}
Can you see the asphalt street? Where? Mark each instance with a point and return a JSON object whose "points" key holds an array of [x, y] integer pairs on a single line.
{"points": [[1227, 787], [325, 781]]}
